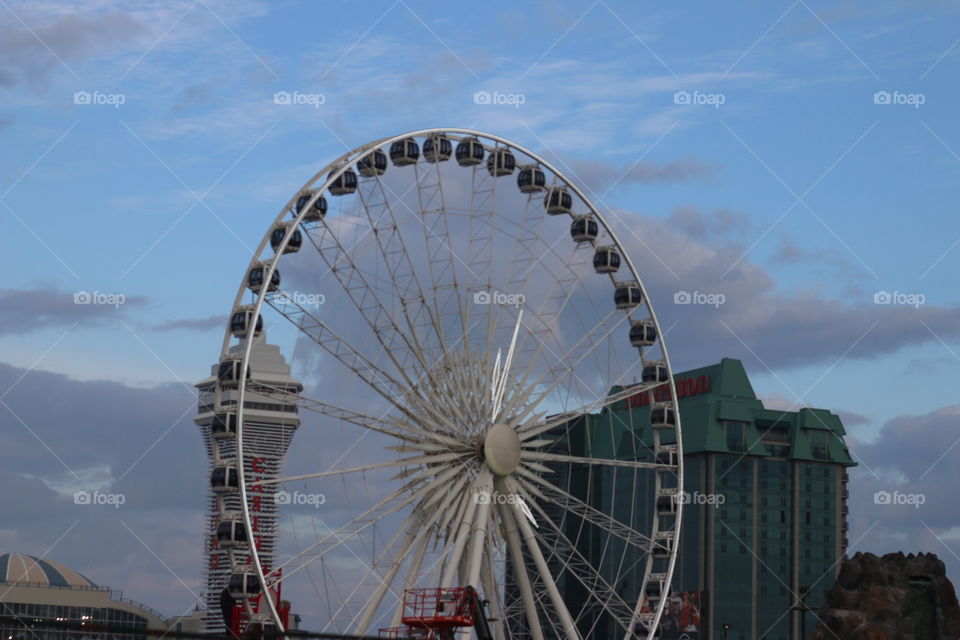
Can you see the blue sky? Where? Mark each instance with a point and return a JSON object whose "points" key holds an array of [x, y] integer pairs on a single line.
{"points": [[799, 196]]}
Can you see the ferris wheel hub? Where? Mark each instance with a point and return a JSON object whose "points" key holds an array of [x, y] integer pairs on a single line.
{"points": [[501, 449]]}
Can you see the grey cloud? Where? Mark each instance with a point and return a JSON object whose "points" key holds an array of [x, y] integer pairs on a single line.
{"points": [[25, 310], [600, 176], [25, 57], [194, 324]]}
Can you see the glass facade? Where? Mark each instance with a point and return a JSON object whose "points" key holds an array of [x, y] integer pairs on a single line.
{"points": [[33, 622]]}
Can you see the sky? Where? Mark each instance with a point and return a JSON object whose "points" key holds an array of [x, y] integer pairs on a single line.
{"points": [[798, 159]]}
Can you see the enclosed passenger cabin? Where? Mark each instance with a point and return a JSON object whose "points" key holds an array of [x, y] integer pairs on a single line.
{"points": [[501, 162], [558, 201], [404, 152], [316, 212], [643, 333], [244, 584], [437, 148], [584, 229], [279, 233], [241, 319], [224, 478], [372, 164], [469, 152], [531, 178], [231, 531], [606, 260], [224, 425], [627, 295], [667, 457], [663, 416], [344, 184], [256, 276], [228, 372], [655, 372]]}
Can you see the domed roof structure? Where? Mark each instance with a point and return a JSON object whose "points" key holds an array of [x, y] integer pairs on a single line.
{"points": [[16, 568]]}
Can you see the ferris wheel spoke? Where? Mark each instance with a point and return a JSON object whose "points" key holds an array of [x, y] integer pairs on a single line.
{"points": [[580, 568], [391, 464], [533, 546], [398, 394], [540, 456], [403, 276], [366, 299], [535, 427], [461, 535], [564, 367], [390, 504], [591, 514], [418, 439]]}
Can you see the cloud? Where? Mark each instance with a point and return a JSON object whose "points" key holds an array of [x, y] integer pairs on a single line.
{"points": [[193, 324], [25, 310], [913, 455], [62, 435], [29, 55], [601, 176]]}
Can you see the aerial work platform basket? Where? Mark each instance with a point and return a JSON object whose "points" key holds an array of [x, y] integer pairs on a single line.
{"points": [[434, 613]]}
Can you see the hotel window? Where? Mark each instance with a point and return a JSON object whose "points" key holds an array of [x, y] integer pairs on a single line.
{"points": [[735, 437], [818, 445]]}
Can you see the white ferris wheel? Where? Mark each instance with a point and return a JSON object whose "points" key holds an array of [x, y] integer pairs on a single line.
{"points": [[476, 308]]}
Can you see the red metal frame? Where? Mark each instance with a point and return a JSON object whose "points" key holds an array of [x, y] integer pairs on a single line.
{"points": [[437, 608], [238, 621]]}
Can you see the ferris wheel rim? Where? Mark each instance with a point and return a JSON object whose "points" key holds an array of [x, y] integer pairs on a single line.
{"points": [[334, 171]]}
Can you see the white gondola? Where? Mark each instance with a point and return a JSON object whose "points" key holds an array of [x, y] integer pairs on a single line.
{"points": [[279, 233], [224, 425], [654, 372], [663, 416], [584, 229], [241, 319], [531, 178], [372, 164], [437, 148], [231, 531], [627, 295], [558, 201], [228, 373], [316, 212], [643, 333], [256, 276], [344, 184], [501, 162], [224, 478], [404, 152], [606, 260], [244, 584], [470, 152], [667, 456]]}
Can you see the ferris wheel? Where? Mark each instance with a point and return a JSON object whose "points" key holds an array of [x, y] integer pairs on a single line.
{"points": [[475, 330]]}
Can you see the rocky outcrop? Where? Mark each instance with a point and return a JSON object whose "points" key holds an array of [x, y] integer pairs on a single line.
{"points": [[896, 597]]}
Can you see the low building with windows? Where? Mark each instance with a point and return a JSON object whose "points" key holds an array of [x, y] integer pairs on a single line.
{"points": [[765, 508], [38, 595]]}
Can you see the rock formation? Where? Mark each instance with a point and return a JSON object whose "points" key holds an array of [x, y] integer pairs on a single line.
{"points": [[896, 597]]}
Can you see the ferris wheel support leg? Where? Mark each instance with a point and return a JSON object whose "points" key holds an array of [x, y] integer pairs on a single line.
{"points": [[566, 620], [460, 540], [492, 594], [480, 524], [523, 580]]}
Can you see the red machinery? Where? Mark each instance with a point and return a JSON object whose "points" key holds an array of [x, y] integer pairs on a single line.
{"points": [[438, 613]]}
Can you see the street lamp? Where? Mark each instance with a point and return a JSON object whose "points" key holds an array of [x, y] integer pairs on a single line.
{"points": [[726, 626]]}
